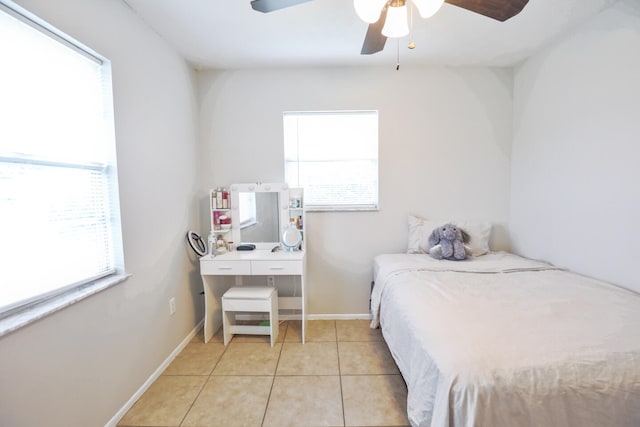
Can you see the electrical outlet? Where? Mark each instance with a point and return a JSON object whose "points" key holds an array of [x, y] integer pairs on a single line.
{"points": [[172, 306], [271, 281]]}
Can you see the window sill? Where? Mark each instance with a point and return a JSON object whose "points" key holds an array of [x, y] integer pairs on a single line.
{"points": [[38, 310], [341, 209]]}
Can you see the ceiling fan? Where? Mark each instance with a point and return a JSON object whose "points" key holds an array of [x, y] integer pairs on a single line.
{"points": [[388, 18]]}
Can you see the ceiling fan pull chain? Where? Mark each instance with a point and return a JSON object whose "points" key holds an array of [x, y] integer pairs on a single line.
{"points": [[397, 54], [411, 44]]}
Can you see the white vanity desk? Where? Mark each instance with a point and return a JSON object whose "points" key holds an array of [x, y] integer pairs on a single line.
{"points": [[216, 272]]}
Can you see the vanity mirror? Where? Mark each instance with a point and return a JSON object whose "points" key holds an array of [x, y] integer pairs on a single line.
{"points": [[258, 216], [261, 211]]}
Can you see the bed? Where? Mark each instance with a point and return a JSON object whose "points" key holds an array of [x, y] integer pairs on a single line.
{"points": [[499, 340]]}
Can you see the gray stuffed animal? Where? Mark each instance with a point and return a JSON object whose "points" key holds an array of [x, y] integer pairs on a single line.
{"points": [[447, 242]]}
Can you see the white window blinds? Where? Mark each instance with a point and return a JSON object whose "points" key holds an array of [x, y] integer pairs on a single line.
{"points": [[334, 156], [58, 205]]}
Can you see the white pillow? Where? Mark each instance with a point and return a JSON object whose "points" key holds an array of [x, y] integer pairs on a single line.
{"points": [[420, 229]]}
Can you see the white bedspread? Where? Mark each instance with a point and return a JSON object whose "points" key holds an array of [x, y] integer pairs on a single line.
{"points": [[504, 341]]}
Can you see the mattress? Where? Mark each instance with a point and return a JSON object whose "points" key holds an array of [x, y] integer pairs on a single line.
{"points": [[501, 340]]}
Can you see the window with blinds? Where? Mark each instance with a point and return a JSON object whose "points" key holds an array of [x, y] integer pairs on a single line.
{"points": [[59, 216], [333, 155]]}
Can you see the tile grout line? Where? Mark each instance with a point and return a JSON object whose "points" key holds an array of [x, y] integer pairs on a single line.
{"points": [[273, 378], [344, 420]]}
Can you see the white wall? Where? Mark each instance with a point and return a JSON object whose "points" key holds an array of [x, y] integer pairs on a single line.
{"points": [[575, 199], [79, 366], [445, 148]]}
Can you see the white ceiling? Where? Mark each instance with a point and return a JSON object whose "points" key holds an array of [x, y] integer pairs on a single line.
{"points": [[229, 34]]}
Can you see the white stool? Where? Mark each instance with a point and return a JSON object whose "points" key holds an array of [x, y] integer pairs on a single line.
{"points": [[250, 299]]}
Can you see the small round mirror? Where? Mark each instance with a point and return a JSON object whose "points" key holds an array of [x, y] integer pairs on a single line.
{"points": [[291, 238]]}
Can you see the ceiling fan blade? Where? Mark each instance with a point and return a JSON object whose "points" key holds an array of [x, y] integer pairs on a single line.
{"points": [[496, 9], [374, 40], [271, 5]]}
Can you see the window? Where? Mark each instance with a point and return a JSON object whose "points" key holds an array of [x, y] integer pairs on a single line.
{"points": [[333, 155], [59, 210]]}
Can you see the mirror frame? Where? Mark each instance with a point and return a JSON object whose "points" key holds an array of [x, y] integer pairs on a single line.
{"points": [[280, 188]]}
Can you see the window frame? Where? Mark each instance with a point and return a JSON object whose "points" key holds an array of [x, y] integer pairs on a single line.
{"points": [[353, 207], [20, 313]]}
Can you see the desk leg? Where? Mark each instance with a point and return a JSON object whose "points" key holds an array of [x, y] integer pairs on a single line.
{"points": [[304, 307], [213, 292]]}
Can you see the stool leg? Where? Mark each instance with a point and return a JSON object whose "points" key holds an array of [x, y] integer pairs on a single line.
{"points": [[274, 320], [226, 327]]}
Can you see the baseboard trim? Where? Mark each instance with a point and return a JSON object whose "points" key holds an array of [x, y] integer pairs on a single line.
{"points": [[113, 422], [298, 316], [362, 316]]}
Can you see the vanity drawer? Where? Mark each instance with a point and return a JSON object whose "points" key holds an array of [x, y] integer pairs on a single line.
{"points": [[275, 268], [223, 268]]}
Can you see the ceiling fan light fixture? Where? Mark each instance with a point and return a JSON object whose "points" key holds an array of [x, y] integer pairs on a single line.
{"points": [[369, 10], [428, 8], [396, 24]]}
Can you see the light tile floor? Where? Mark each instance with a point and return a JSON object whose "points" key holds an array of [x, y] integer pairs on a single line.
{"points": [[343, 376]]}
